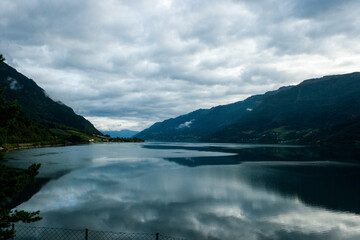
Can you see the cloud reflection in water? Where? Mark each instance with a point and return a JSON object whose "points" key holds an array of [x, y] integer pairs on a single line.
{"points": [[206, 202]]}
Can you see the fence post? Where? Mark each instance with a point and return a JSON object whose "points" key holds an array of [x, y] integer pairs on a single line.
{"points": [[157, 236], [86, 233], [13, 231]]}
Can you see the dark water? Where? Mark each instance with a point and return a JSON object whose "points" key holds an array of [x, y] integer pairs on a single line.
{"points": [[198, 191]]}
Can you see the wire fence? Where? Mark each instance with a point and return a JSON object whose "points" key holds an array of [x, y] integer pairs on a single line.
{"points": [[21, 232]]}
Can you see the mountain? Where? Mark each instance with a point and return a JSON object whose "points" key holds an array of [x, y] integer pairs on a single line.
{"points": [[318, 110], [122, 133], [40, 116], [202, 123]]}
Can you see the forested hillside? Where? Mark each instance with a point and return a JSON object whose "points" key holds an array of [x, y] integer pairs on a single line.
{"points": [[323, 110], [39, 117]]}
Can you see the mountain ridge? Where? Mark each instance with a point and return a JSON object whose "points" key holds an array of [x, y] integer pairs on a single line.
{"points": [[311, 112], [317, 110], [39, 113], [125, 133], [182, 127]]}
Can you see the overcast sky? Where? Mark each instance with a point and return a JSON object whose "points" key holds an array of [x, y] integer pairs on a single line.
{"points": [[127, 64]]}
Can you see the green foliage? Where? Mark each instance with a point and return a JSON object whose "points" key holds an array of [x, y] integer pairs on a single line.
{"points": [[201, 123], [37, 109], [75, 139], [324, 110], [15, 127], [12, 181], [40, 120], [119, 139], [8, 112]]}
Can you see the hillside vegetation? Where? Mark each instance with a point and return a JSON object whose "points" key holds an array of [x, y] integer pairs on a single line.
{"points": [[39, 119], [322, 110]]}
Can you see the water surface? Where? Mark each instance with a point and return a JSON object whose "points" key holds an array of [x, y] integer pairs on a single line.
{"points": [[198, 191]]}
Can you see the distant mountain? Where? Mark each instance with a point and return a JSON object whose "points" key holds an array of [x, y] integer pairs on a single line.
{"points": [[38, 111], [122, 134], [202, 123], [315, 111]]}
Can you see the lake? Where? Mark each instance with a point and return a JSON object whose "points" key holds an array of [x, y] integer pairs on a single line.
{"points": [[198, 190]]}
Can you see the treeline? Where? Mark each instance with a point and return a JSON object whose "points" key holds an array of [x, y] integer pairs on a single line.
{"points": [[119, 139], [35, 117], [12, 181], [17, 130]]}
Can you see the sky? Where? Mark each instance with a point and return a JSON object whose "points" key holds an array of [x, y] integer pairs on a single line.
{"points": [[128, 64]]}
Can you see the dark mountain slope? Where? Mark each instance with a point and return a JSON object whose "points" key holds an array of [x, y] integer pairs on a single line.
{"points": [[322, 110], [37, 107], [317, 110], [203, 122]]}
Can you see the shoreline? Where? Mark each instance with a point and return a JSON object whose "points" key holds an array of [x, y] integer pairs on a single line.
{"points": [[10, 149], [32, 145]]}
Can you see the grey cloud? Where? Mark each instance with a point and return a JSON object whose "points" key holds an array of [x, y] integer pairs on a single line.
{"points": [[313, 9], [14, 84], [160, 59], [186, 124], [264, 76]]}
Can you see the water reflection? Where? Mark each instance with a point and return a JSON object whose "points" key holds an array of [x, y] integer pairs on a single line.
{"points": [[120, 191], [334, 186]]}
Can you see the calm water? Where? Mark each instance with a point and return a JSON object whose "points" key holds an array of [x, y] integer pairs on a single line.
{"points": [[198, 191]]}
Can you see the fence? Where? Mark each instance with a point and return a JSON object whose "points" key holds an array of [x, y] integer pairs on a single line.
{"points": [[31, 233]]}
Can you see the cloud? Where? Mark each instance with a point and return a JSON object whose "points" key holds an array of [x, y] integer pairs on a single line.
{"points": [[109, 123], [14, 84], [148, 61], [145, 193], [186, 124]]}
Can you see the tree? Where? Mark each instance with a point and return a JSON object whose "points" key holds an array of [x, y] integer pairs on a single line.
{"points": [[8, 113], [12, 181]]}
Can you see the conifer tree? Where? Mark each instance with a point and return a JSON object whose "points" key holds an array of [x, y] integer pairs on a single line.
{"points": [[12, 181]]}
